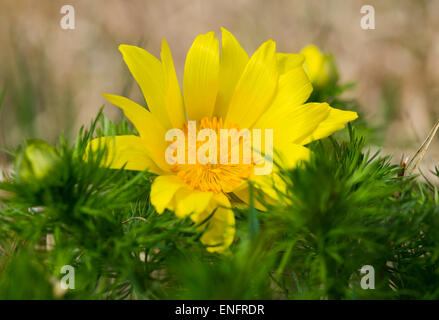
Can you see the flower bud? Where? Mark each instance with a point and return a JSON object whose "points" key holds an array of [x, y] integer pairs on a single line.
{"points": [[36, 160], [320, 67]]}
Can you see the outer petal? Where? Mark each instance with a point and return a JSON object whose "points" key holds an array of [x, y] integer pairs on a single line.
{"points": [[294, 89], [336, 120], [232, 64], [287, 155], [200, 80], [148, 126], [295, 124], [173, 98], [189, 201], [124, 151], [163, 190], [148, 72], [256, 88], [288, 61], [243, 193], [220, 228]]}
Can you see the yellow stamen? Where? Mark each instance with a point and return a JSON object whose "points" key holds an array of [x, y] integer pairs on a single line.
{"points": [[215, 177]]}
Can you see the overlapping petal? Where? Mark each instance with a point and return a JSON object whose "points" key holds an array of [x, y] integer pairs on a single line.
{"points": [[149, 128], [294, 90], [232, 64], [289, 61], [173, 97], [336, 120], [189, 201], [170, 192], [163, 191], [148, 72], [295, 124], [127, 152], [256, 88], [200, 79], [220, 227]]}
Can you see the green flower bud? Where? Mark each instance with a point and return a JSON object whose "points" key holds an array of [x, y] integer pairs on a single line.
{"points": [[36, 160]]}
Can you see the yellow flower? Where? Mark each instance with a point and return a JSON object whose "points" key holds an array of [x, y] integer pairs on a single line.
{"points": [[320, 67], [265, 91]]}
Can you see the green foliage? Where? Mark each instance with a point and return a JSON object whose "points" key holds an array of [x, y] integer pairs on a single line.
{"points": [[101, 222], [343, 209]]}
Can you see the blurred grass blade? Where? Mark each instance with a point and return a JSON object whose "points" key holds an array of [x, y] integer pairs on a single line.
{"points": [[414, 161], [2, 96]]}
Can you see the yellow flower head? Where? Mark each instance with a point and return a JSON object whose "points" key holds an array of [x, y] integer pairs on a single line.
{"points": [[265, 91], [320, 67]]}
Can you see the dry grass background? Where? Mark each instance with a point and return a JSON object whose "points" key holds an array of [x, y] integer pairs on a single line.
{"points": [[55, 77]]}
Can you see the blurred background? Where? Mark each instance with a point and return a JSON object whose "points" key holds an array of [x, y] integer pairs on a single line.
{"points": [[54, 77]]}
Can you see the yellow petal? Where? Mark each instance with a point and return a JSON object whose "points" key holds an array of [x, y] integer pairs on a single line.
{"points": [[295, 124], [189, 201], [200, 80], [124, 151], [232, 64], [148, 126], [335, 121], [293, 91], [220, 228], [144, 121], [148, 72], [288, 155], [256, 88], [288, 61], [270, 185], [163, 190], [243, 193], [173, 98]]}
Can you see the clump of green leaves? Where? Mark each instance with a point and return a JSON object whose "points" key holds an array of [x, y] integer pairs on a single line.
{"points": [[343, 209], [100, 219]]}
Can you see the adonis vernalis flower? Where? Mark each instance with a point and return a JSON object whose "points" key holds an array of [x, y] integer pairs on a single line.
{"points": [[265, 91]]}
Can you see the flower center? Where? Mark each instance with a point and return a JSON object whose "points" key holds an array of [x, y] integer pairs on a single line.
{"points": [[216, 176]]}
